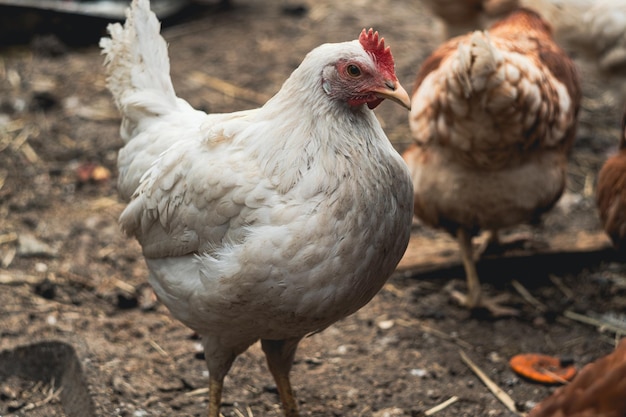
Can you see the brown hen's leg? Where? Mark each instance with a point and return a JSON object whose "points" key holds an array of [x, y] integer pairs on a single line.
{"points": [[279, 355], [491, 245], [474, 297]]}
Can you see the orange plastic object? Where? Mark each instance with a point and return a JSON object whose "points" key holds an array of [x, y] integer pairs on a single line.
{"points": [[542, 368]]}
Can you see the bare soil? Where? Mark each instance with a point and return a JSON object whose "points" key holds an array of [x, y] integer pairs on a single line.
{"points": [[69, 275]]}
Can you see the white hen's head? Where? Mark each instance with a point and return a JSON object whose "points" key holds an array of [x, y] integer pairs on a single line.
{"points": [[356, 73]]}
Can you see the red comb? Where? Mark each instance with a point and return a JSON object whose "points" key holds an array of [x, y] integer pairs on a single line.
{"points": [[376, 47]]}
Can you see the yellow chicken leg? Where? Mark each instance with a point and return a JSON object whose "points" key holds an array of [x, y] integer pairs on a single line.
{"points": [[474, 297], [215, 395], [279, 355]]}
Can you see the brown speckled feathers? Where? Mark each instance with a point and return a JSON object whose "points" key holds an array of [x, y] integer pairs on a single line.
{"points": [[611, 193], [494, 118]]}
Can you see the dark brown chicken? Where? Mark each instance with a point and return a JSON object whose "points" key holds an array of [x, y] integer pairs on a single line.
{"points": [[599, 390], [493, 117], [611, 194]]}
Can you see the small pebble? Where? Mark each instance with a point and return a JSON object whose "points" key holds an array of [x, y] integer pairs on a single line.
{"points": [[386, 324], [420, 373]]}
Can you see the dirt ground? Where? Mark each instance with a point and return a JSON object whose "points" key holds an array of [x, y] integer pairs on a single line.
{"points": [[69, 275]]}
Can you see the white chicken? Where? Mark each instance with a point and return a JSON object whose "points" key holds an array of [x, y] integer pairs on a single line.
{"points": [[601, 37], [270, 223], [493, 118]]}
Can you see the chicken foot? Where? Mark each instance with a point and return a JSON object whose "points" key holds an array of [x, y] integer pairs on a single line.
{"points": [[475, 298], [280, 355]]}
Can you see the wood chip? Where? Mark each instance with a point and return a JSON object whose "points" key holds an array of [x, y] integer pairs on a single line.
{"points": [[98, 114], [7, 279], [15, 125], [124, 286], [8, 257], [8, 237], [29, 153]]}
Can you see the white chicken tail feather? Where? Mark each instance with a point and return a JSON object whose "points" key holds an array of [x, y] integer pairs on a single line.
{"points": [[138, 68], [476, 61]]}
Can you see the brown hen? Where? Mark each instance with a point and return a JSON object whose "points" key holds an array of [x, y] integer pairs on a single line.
{"points": [[493, 119], [599, 390], [611, 194]]}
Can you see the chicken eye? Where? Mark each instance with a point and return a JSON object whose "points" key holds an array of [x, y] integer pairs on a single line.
{"points": [[353, 71]]}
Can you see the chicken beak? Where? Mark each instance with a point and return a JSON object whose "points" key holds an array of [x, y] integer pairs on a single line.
{"points": [[395, 92]]}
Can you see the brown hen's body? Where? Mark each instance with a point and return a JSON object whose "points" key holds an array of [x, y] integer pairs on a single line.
{"points": [[599, 390], [611, 194], [493, 119]]}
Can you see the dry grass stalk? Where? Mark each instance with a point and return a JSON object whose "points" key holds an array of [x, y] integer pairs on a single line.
{"points": [[528, 297], [558, 282], [158, 348], [441, 406], [600, 324], [199, 391], [492, 386]]}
